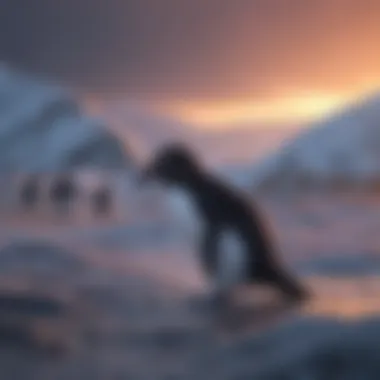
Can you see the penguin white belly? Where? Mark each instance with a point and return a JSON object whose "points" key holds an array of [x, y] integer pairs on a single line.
{"points": [[184, 215], [232, 261]]}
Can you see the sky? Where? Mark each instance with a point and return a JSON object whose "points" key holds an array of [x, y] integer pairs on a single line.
{"points": [[208, 62]]}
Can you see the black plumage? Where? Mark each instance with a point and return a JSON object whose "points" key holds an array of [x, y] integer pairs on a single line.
{"points": [[223, 208]]}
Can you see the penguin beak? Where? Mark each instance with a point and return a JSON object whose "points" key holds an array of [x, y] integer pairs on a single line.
{"points": [[146, 175]]}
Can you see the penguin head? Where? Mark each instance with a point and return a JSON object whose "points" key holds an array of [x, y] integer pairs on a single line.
{"points": [[173, 165]]}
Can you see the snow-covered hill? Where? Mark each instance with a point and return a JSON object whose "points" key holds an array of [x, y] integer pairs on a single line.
{"points": [[342, 150], [42, 128]]}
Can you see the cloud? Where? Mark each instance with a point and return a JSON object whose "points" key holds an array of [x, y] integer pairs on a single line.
{"points": [[198, 49]]}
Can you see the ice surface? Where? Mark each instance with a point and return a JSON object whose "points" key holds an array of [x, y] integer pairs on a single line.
{"points": [[138, 286]]}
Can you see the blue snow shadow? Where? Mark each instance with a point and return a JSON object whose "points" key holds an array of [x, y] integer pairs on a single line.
{"points": [[338, 265]]}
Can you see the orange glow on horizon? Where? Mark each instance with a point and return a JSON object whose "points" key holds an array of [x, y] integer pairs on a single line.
{"points": [[293, 109], [286, 111]]}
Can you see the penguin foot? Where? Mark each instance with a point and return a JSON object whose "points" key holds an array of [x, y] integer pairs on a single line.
{"points": [[200, 304], [214, 303], [297, 298], [220, 302]]}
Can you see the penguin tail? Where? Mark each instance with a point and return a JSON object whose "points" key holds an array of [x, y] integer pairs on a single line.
{"points": [[289, 286]]}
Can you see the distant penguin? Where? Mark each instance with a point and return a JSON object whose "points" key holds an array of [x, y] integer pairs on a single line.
{"points": [[63, 192], [102, 200], [29, 194], [235, 245]]}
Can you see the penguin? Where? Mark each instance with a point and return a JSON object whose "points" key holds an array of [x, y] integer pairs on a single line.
{"points": [[102, 200], [235, 246], [29, 194], [63, 192]]}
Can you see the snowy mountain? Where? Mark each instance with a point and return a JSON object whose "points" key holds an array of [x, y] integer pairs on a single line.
{"points": [[340, 151], [42, 128]]}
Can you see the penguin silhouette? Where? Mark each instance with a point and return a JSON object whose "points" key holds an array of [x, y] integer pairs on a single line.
{"points": [[102, 200], [63, 192], [235, 246], [29, 195]]}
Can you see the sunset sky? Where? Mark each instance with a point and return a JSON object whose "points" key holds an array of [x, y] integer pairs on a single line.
{"points": [[207, 62]]}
